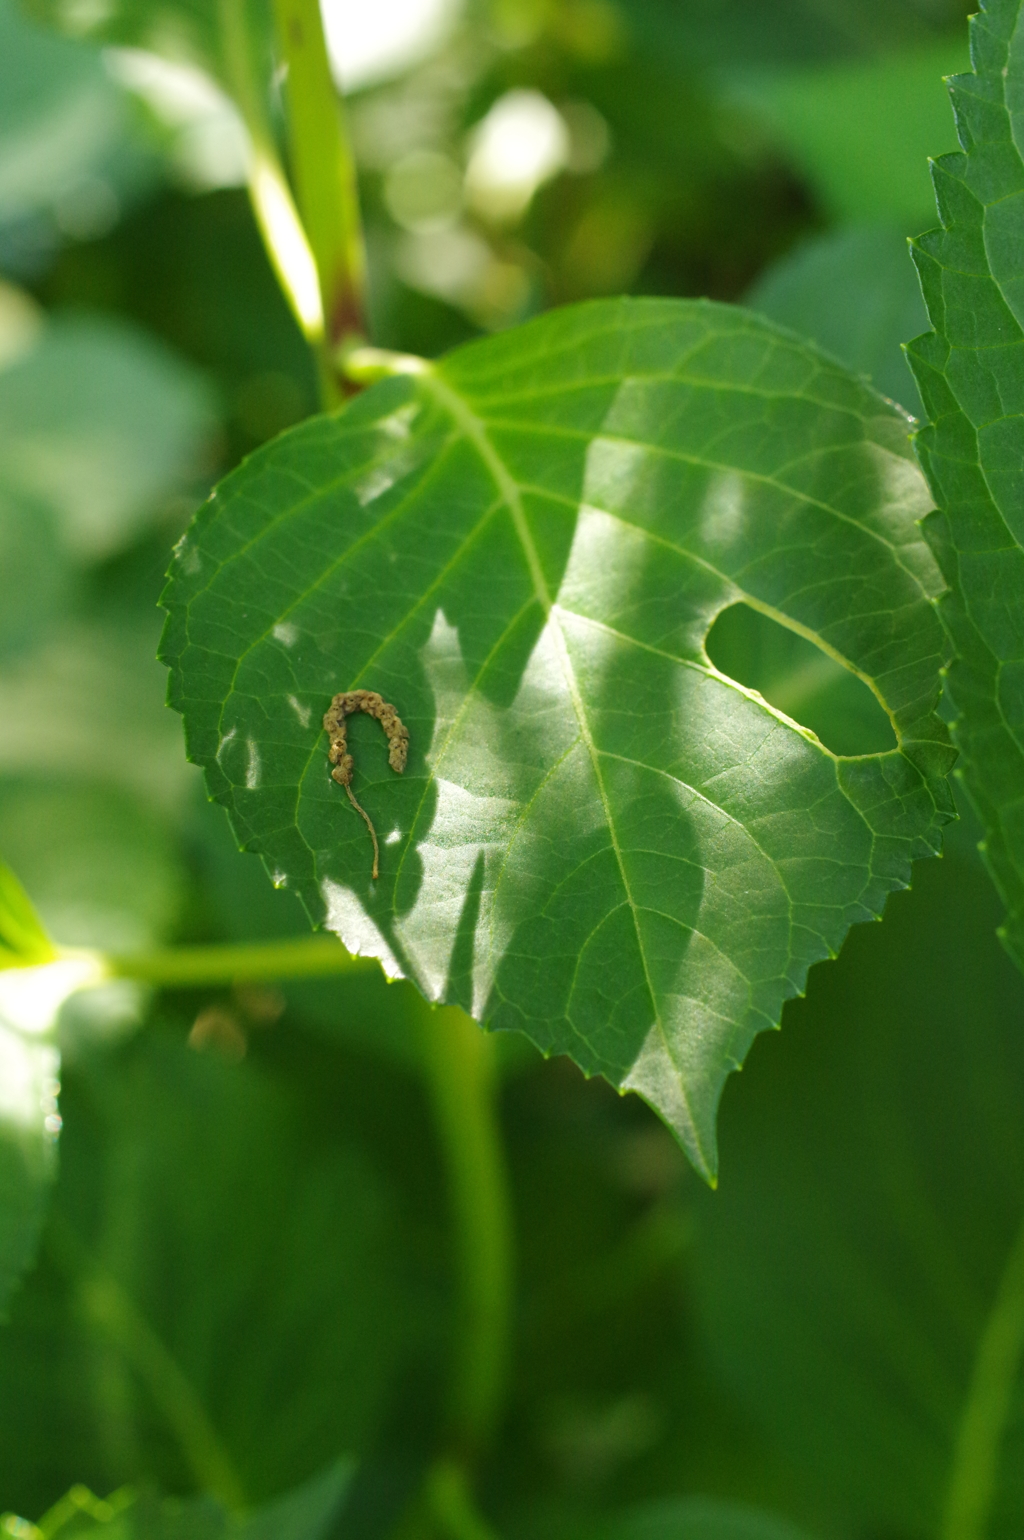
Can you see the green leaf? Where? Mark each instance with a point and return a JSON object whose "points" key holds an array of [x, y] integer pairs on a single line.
{"points": [[192, 30], [855, 293], [861, 131], [119, 732], [970, 371], [104, 425], [695, 1518], [70, 149], [598, 840], [102, 430], [860, 1275], [747, 32], [36, 577], [103, 867]]}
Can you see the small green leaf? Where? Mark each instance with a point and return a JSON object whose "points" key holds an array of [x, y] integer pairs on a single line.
{"points": [[970, 371], [599, 840]]}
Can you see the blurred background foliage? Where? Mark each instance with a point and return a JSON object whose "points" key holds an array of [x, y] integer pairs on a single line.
{"points": [[247, 1268]]}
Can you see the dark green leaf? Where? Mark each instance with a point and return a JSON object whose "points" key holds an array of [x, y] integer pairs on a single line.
{"points": [[861, 1272], [855, 293], [599, 840], [970, 371]]}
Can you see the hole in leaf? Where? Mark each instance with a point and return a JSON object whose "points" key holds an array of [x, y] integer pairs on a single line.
{"points": [[798, 678]]}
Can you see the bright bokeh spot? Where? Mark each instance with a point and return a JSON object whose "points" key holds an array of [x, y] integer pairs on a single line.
{"points": [[521, 143], [368, 43]]}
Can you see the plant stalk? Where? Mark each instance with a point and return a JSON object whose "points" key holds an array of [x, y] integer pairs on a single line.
{"points": [[188, 967], [459, 1065], [324, 174]]}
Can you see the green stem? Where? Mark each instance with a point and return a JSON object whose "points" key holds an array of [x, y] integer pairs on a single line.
{"points": [[324, 173], [986, 1414], [186, 967], [273, 206], [111, 1310], [459, 1063]]}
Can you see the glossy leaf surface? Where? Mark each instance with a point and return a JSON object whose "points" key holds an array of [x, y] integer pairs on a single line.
{"points": [[599, 840], [970, 371]]}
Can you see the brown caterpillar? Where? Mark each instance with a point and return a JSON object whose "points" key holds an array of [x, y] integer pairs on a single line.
{"points": [[343, 706]]}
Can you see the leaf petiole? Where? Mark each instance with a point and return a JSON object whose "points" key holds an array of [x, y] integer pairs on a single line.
{"points": [[192, 967]]}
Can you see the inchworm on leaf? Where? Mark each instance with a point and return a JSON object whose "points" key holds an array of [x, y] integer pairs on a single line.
{"points": [[343, 706]]}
